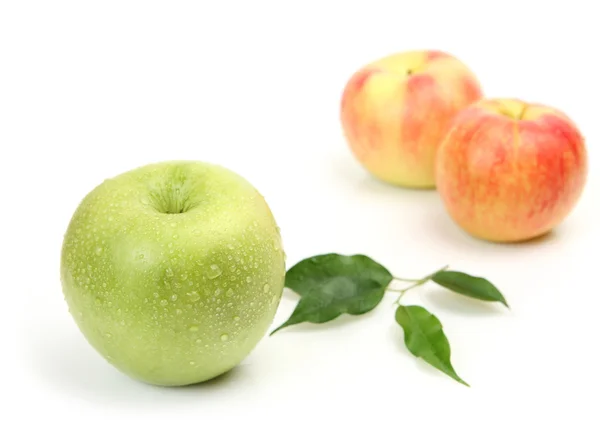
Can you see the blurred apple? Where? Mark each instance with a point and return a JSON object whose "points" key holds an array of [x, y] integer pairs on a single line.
{"points": [[509, 170], [396, 110]]}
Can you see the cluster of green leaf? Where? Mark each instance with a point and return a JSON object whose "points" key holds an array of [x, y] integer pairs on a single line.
{"points": [[330, 285]]}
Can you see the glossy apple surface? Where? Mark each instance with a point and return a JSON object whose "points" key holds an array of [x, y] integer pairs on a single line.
{"points": [[173, 271]]}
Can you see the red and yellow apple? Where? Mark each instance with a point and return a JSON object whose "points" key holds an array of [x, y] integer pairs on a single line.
{"points": [[396, 110], [509, 171]]}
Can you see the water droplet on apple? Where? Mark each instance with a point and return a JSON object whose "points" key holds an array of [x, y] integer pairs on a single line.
{"points": [[248, 279], [163, 302], [175, 236], [229, 292], [214, 271], [193, 328], [98, 301], [155, 295], [169, 272], [230, 246], [173, 224], [98, 251], [178, 311], [194, 296], [266, 288], [192, 363], [170, 245], [109, 304], [108, 335], [174, 297], [198, 340], [184, 276], [236, 318], [224, 337], [140, 256]]}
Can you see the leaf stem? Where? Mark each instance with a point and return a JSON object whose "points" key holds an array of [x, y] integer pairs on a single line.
{"points": [[417, 282], [401, 279]]}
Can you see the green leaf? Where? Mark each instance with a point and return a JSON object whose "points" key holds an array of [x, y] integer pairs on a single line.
{"points": [[332, 284], [424, 338], [475, 287]]}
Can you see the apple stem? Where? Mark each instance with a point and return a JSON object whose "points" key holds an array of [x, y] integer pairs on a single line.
{"points": [[522, 114]]}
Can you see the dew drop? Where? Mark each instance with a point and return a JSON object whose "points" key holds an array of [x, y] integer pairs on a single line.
{"points": [[173, 224], [194, 296], [193, 328], [266, 288], [236, 318], [163, 302], [108, 335], [248, 279], [175, 236], [109, 304], [224, 337], [98, 251], [155, 295], [192, 363], [169, 272], [178, 311], [174, 297], [229, 292], [230, 246], [214, 271], [98, 301]]}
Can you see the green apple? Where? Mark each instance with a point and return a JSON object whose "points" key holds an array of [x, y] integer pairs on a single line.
{"points": [[173, 271]]}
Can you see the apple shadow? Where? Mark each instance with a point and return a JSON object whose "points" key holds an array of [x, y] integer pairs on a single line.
{"points": [[346, 169], [67, 363], [445, 232]]}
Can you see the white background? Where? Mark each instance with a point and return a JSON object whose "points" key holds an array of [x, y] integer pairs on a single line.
{"points": [[91, 89]]}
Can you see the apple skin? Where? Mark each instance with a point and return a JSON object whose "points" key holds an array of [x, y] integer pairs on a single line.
{"points": [[510, 171], [173, 271], [396, 110]]}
